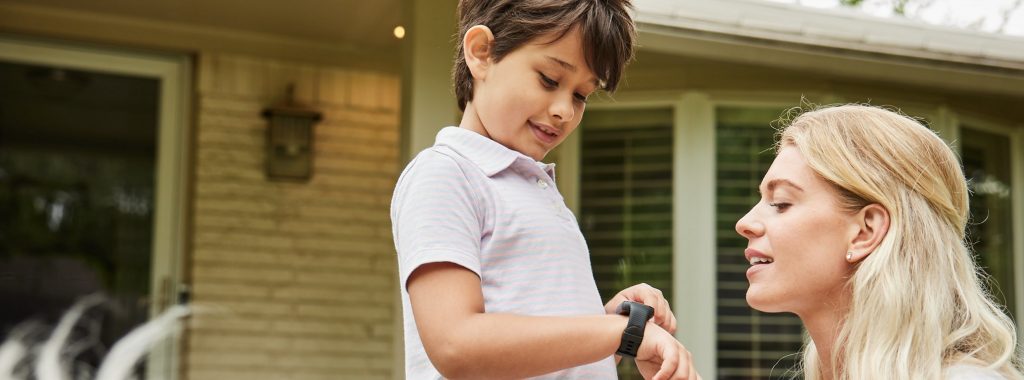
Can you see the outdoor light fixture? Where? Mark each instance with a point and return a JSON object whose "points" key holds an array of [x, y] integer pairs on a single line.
{"points": [[290, 140]]}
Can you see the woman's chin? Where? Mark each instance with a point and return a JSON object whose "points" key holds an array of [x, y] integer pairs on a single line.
{"points": [[760, 303]]}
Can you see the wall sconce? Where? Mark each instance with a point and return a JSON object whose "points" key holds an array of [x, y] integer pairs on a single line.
{"points": [[290, 140]]}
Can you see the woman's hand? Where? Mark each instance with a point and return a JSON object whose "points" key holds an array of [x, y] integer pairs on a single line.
{"points": [[650, 296]]}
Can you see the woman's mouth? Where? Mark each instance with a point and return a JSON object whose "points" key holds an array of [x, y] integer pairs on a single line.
{"points": [[758, 261], [757, 267]]}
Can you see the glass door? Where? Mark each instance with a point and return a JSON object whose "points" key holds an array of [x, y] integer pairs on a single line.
{"points": [[77, 156], [92, 187]]}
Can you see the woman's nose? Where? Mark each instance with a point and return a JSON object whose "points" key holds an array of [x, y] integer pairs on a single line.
{"points": [[748, 227]]}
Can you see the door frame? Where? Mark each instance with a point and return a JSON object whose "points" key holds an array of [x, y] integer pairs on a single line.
{"points": [[174, 73]]}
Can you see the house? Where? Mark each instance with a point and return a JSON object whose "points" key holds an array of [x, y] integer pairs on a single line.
{"points": [[133, 135]]}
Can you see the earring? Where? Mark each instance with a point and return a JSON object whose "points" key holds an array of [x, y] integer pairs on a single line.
{"points": [[849, 256]]}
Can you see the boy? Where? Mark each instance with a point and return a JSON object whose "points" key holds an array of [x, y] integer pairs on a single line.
{"points": [[495, 274]]}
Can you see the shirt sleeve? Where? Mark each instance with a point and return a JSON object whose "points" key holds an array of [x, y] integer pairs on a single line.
{"points": [[436, 215]]}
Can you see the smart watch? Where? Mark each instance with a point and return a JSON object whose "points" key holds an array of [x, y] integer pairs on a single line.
{"points": [[638, 314]]}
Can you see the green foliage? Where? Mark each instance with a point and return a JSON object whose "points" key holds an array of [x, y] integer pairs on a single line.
{"points": [[898, 6]]}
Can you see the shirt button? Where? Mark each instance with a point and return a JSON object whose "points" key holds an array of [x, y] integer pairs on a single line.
{"points": [[542, 184]]}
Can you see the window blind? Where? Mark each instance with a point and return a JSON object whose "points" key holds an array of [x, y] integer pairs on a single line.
{"points": [[751, 344], [626, 200]]}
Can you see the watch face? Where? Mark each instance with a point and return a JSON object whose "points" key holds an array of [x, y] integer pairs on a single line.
{"points": [[650, 310], [628, 307]]}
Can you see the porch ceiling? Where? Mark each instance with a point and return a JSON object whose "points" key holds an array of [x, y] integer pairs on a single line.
{"points": [[353, 23]]}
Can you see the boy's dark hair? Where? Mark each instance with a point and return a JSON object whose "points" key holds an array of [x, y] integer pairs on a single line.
{"points": [[605, 25]]}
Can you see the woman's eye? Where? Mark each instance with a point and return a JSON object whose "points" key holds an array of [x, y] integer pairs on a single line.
{"points": [[780, 206], [579, 97]]}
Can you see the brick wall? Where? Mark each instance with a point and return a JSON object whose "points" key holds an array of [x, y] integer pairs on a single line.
{"points": [[293, 280]]}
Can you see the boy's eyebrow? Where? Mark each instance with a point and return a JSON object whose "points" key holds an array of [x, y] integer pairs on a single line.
{"points": [[570, 67], [564, 64]]}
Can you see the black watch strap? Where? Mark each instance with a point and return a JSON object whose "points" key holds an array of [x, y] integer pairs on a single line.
{"points": [[634, 333]]}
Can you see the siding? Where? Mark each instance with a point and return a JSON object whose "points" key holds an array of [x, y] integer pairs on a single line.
{"points": [[292, 280]]}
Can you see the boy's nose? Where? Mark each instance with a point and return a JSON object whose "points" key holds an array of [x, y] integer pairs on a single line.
{"points": [[563, 110]]}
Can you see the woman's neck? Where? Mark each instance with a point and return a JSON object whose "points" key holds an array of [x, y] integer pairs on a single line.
{"points": [[823, 325]]}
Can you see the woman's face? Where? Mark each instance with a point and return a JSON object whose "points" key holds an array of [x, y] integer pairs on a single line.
{"points": [[797, 240]]}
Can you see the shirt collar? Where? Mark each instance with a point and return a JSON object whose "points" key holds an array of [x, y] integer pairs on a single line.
{"points": [[488, 154], [547, 168]]}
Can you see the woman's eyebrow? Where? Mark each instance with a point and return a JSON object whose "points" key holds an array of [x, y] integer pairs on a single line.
{"points": [[782, 181], [779, 181]]}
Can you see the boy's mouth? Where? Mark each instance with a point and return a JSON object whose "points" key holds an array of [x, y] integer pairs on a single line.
{"points": [[544, 133]]}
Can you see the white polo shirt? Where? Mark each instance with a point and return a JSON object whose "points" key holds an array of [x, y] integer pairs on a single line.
{"points": [[471, 201]]}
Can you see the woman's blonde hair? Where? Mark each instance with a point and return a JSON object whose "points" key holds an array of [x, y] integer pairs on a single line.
{"points": [[918, 304]]}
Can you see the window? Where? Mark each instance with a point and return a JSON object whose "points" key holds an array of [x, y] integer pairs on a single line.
{"points": [[986, 161], [751, 344], [626, 200]]}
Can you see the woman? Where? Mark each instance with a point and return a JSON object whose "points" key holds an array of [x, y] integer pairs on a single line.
{"points": [[860, 232]]}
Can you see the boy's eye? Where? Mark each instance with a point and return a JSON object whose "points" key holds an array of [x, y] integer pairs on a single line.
{"points": [[548, 82], [552, 84]]}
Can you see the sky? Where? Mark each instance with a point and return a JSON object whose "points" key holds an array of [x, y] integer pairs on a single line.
{"points": [[982, 15]]}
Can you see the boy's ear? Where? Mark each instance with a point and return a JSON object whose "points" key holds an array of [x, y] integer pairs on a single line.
{"points": [[476, 48], [873, 221]]}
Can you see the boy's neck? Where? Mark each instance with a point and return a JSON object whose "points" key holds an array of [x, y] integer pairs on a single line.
{"points": [[471, 121]]}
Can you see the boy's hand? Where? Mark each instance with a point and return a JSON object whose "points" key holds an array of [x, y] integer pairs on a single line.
{"points": [[649, 296], [661, 357]]}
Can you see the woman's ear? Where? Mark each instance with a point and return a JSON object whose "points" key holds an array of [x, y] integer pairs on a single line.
{"points": [[476, 49], [873, 221]]}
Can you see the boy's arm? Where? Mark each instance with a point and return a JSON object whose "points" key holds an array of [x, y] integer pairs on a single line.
{"points": [[464, 342]]}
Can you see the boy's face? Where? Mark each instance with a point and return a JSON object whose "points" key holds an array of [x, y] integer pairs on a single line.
{"points": [[533, 98]]}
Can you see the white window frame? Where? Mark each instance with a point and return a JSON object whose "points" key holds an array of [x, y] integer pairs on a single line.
{"points": [[175, 77]]}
